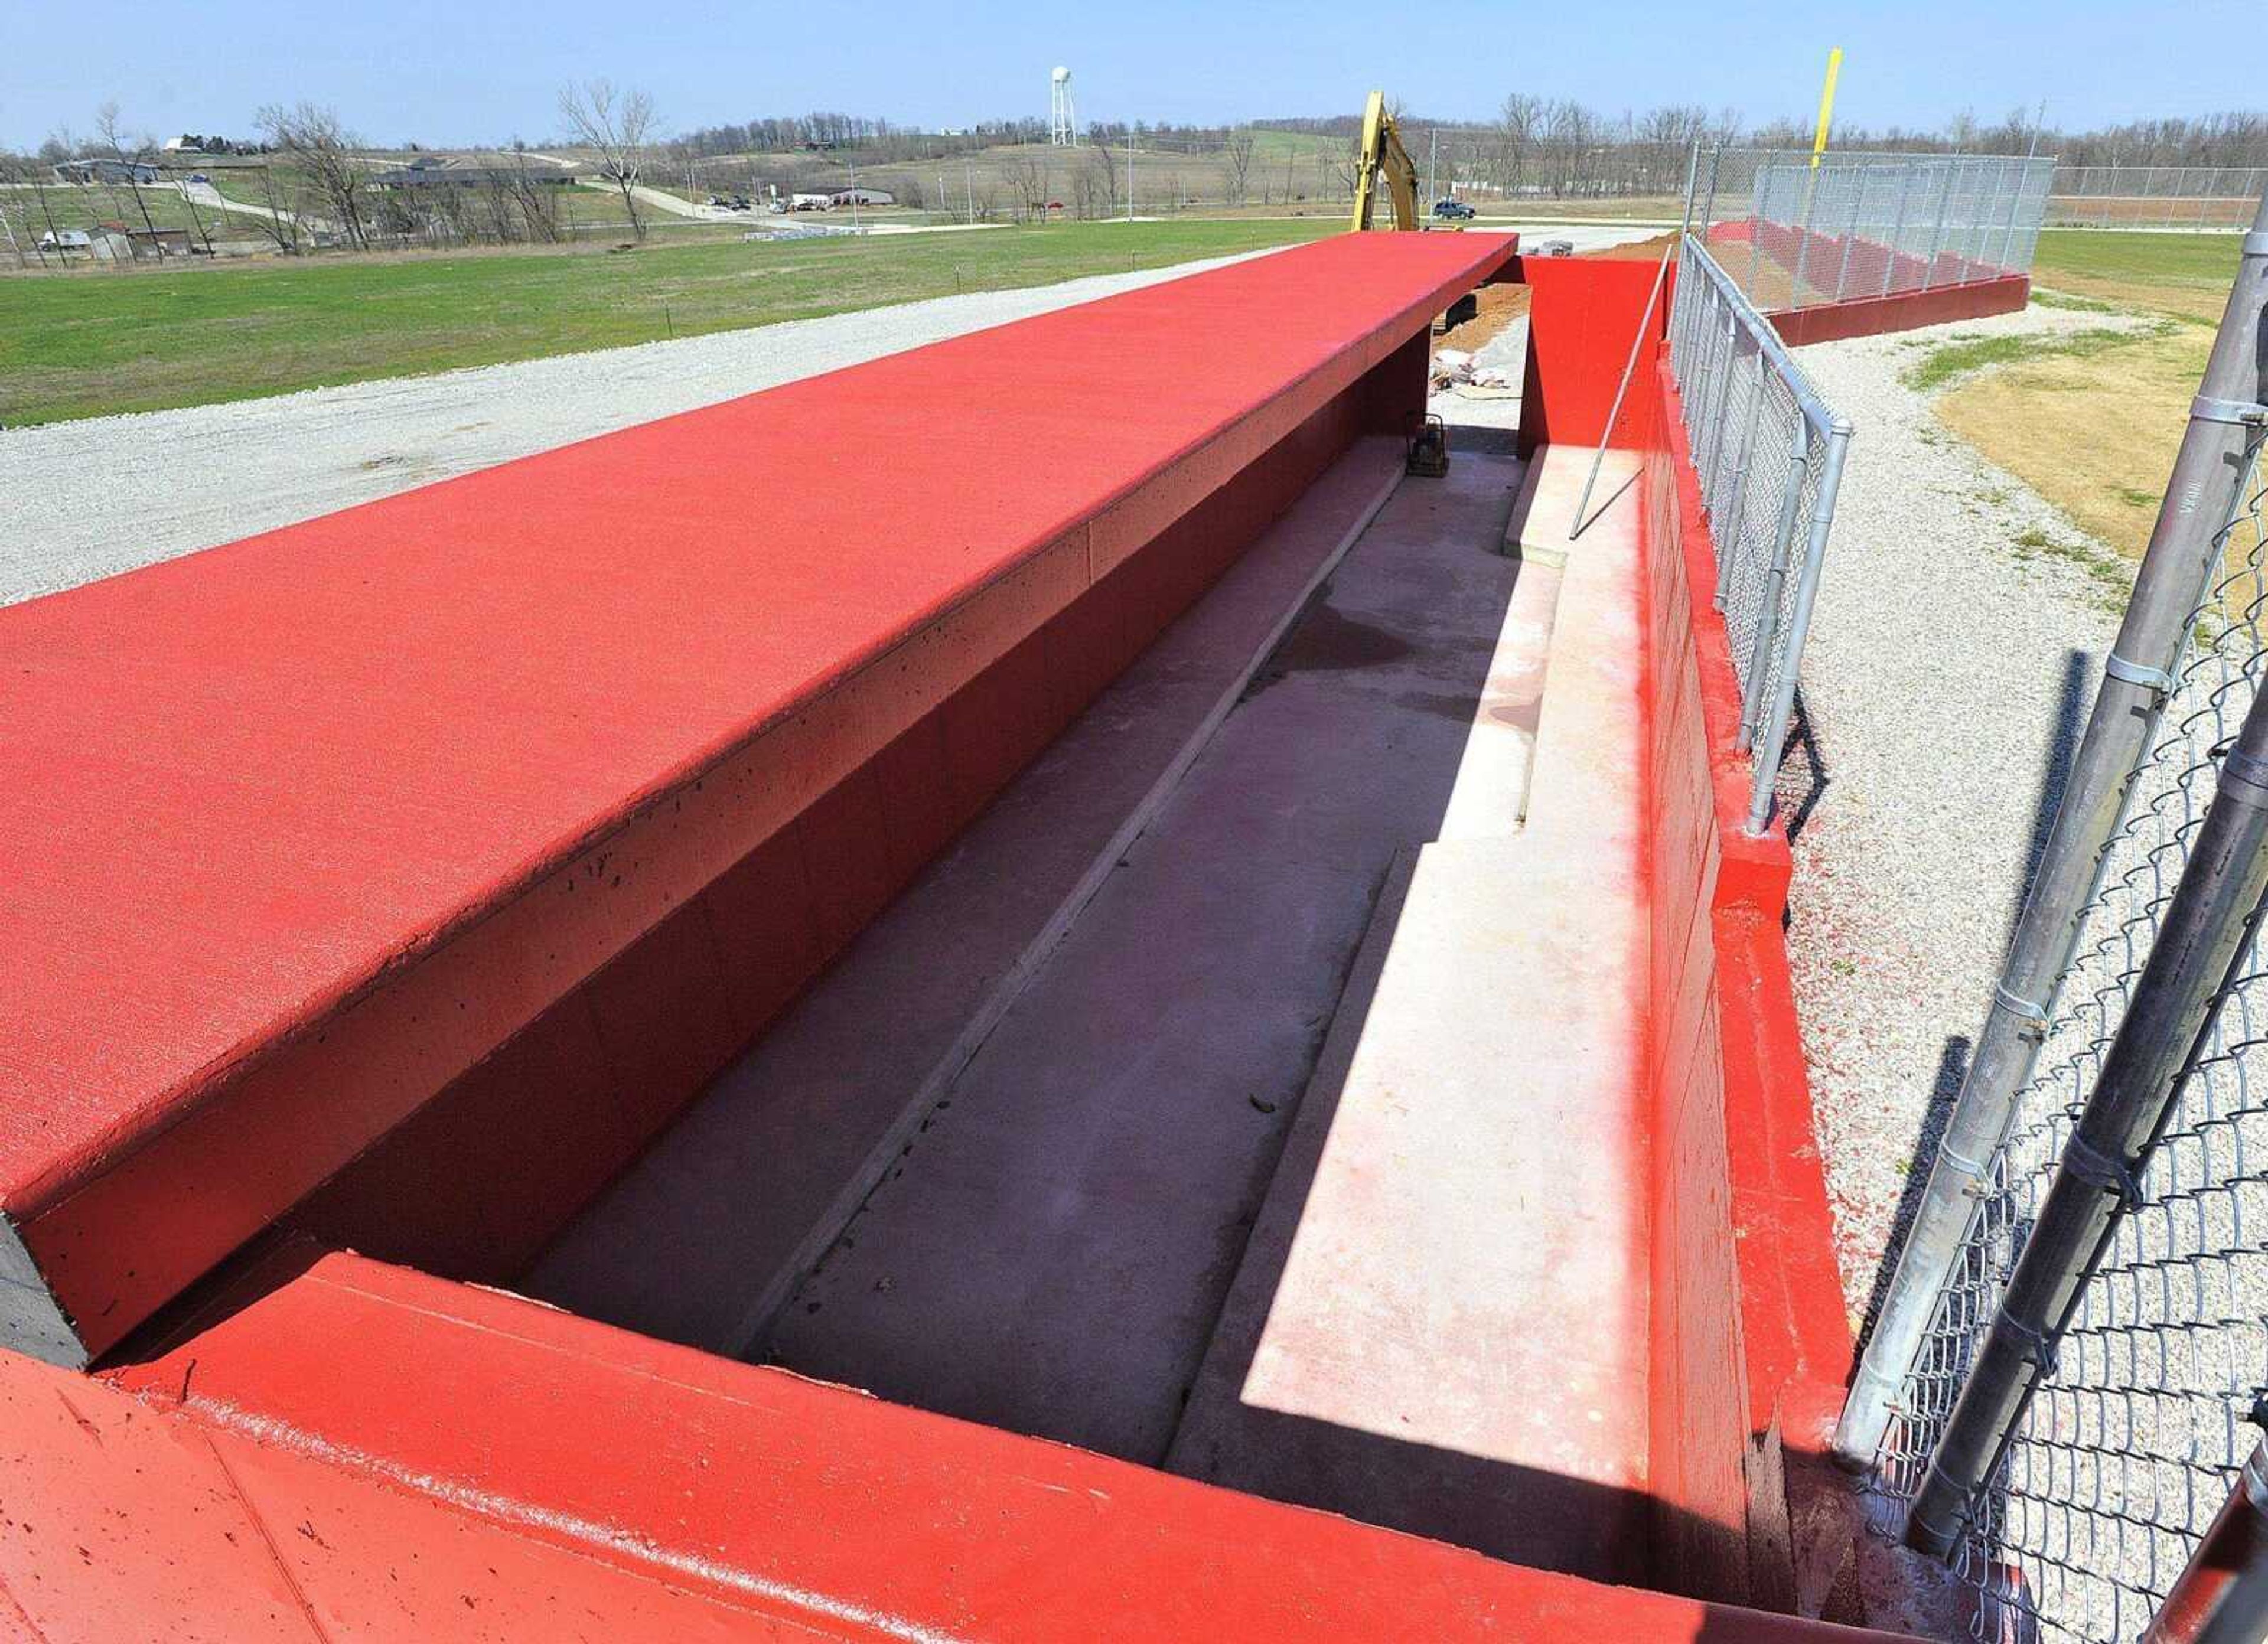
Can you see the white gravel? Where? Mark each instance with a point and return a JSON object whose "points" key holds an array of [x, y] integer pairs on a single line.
{"points": [[88, 499], [1941, 655]]}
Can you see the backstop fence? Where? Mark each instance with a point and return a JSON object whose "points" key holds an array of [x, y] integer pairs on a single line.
{"points": [[2058, 1393], [1769, 453], [1857, 225], [2208, 197]]}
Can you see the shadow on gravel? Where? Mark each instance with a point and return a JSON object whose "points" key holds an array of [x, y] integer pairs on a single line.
{"points": [[1952, 1068], [1801, 781], [2071, 702]]}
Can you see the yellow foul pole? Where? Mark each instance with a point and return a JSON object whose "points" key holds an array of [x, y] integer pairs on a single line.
{"points": [[1826, 104]]}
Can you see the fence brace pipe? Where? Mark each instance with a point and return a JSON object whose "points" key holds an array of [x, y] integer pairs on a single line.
{"points": [[2202, 498], [2201, 948], [1638, 347]]}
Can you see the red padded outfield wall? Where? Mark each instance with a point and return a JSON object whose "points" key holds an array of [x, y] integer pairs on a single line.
{"points": [[387, 840]]}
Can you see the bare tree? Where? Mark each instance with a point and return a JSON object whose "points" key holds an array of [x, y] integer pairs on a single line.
{"points": [[618, 124], [282, 222], [1517, 123], [131, 156], [1027, 180], [323, 151], [533, 198], [1237, 152]]}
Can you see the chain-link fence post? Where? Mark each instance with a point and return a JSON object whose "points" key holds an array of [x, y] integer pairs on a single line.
{"points": [[2200, 944], [1799, 629], [1937, 234], [1898, 230], [1796, 298], [1783, 544], [2202, 497]]}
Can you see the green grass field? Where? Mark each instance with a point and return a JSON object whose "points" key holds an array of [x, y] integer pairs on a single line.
{"points": [[94, 343], [80, 206], [2184, 275]]}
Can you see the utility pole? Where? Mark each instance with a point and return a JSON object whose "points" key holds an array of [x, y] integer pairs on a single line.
{"points": [[854, 193], [1433, 169], [1130, 172], [968, 182]]}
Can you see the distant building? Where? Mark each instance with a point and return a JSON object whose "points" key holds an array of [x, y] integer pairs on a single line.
{"points": [[144, 245], [66, 239], [106, 171], [431, 170], [862, 196], [184, 145]]}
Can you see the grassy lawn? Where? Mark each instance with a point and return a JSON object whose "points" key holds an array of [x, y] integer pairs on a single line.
{"points": [[2091, 419], [2185, 275], [99, 342], [82, 206]]}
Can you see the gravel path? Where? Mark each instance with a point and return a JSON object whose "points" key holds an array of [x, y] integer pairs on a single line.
{"points": [[1949, 667], [88, 499]]}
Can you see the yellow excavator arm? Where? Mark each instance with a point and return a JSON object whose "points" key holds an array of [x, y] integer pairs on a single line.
{"points": [[1384, 157]]}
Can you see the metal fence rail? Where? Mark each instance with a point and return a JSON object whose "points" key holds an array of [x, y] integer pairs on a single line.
{"points": [[1859, 225], [2054, 1391], [1769, 454]]}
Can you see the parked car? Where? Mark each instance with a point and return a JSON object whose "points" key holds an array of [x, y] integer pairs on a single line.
{"points": [[199, 177], [1452, 210]]}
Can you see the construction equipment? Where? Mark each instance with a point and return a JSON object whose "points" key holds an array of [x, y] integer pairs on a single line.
{"points": [[1429, 449], [1382, 153]]}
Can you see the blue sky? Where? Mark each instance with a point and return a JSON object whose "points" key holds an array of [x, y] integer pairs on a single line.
{"points": [[488, 70]]}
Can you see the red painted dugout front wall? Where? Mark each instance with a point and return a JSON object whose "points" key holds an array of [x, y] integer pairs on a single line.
{"points": [[1742, 1396]]}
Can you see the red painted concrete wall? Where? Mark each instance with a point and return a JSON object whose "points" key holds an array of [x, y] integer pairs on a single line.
{"points": [[1872, 316], [1959, 287], [1583, 316], [334, 1448], [481, 1177], [1741, 1208], [420, 817]]}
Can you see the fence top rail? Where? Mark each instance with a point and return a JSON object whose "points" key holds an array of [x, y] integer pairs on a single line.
{"points": [[1816, 409], [1885, 157]]}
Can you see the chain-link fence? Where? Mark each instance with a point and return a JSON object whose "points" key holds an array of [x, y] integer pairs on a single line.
{"points": [[2218, 198], [1857, 225], [1769, 454], [2128, 1449]]}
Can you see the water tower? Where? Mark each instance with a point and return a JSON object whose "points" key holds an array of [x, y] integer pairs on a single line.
{"points": [[1063, 125]]}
